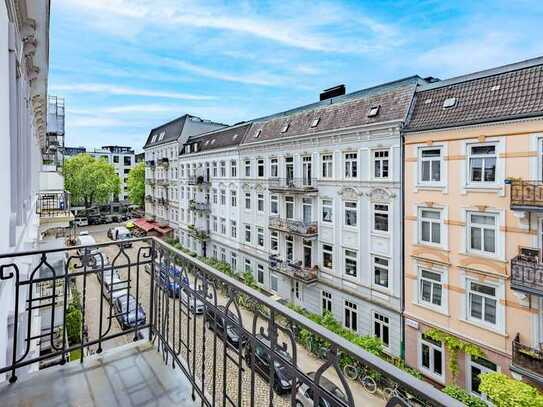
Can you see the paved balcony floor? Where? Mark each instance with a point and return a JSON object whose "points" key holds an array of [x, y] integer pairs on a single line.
{"points": [[131, 375]]}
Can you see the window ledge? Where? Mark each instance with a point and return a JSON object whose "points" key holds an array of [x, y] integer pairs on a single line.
{"points": [[437, 310], [493, 329]]}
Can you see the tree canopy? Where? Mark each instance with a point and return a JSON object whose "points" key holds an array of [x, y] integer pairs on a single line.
{"points": [[136, 184], [90, 180]]}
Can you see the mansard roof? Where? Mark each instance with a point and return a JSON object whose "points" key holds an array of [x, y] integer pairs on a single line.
{"points": [[383, 103], [221, 138], [505, 93], [180, 129]]}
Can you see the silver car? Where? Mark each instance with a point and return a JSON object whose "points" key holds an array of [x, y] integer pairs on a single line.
{"points": [[188, 300], [304, 397]]}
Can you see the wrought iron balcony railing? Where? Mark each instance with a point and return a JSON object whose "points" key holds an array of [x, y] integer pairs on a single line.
{"points": [[198, 233], [527, 272], [150, 163], [163, 201], [191, 313], [162, 181], [53, 204], [199, 206], [294, 185], [526, 195], [149, 198], [528, 358], [198, 179], [150, 181], [293, 226], [308, 275], [163, 162]]}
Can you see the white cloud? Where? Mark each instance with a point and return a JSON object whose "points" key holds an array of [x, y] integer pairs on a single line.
{"points": [[125, 90]]}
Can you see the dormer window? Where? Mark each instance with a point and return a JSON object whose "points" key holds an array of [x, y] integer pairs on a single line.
{"points": [[374, 111], [235, 137], [315, 122], [154, 138], [258, 132], [195, 147], [188, 148], [206, 143], [449, 102], [161, 136], [212, 141], [285, 128]]}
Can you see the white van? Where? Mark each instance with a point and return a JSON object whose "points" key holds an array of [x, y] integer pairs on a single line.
{"points": [[84, 239], [81, 221], [120, 233]]}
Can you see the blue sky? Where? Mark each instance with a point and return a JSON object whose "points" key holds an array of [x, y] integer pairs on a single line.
{"points": [[126, 66]]}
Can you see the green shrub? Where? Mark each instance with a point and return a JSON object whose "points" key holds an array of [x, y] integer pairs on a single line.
{"points": [[73, 324], [463, 396], [504, 391]]}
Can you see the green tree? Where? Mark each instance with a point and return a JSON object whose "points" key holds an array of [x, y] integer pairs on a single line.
{"points": [[136, 184], [90, 180], [504, 391]]}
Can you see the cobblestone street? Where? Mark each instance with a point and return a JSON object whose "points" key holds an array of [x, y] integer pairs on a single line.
{"points": [[209, 354]]}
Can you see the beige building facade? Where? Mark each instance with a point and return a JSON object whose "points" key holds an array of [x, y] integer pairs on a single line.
{"points": [[474, 226]]}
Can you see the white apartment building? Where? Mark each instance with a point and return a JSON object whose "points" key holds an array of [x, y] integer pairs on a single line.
{"points": [[26, 164], [309, 201], [161, 170], [123, 160]]}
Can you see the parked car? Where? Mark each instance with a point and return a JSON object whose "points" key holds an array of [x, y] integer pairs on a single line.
{"points": [[282, 379], [107, 275], [84, 239], [81, 221], [114, 288], [130, 313], [94, 220], [304, 396], [120, 233], [169, 279], [216, 322], [196, 306]]}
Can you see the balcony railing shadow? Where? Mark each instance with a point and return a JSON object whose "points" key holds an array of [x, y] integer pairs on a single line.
{"points": [[191, 315]]}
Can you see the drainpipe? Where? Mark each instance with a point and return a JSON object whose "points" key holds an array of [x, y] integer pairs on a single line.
{"points": [[402, 244]]}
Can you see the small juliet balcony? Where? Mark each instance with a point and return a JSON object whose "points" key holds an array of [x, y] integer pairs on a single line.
{"points": [[527, 361], [527, 272], [163, 201], [162, 182], [163, 162], [199, 206], [149, 198], [198, 180], [307, 275], [526, 195], [198, 233], [293, 185], [150, 164], [54, 209], [294, 227]]}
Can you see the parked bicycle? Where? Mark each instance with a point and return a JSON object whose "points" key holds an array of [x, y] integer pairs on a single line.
{"points": [[363, 374]]}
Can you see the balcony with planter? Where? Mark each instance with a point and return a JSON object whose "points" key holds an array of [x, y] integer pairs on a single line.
{"points": [[198, 233], [527, 361], [160, 352], [293, 185], [527, 272], [307, 275], [163, 162], [199, 206], [198, 180], [293, 226], [526, 195]]}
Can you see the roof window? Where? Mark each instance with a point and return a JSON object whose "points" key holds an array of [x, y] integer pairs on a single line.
{"points": [[195, 147], [258, 132], [315, 122], [374, 111], [235, 137], [428, 101], [449, 102], [206, 143], [153, 139], [285, 128], [212, 141], [495, 87], [161, 136]]}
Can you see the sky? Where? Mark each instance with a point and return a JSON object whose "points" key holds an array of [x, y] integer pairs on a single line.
{"points": [[127, 66]]}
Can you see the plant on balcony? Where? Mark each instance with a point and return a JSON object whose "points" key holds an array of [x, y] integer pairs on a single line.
{"points": [[454, 345], [504, 391], [74, 319], [463, 396]]}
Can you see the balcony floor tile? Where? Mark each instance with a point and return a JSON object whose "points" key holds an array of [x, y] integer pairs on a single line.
{"points": [[131, 375]]}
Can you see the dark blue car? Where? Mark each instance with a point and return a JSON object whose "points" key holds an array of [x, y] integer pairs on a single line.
{"points": [[169, 279], [130, 313]]}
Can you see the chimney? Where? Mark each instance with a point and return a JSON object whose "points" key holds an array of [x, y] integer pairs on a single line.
{"points": [[333, 92]]}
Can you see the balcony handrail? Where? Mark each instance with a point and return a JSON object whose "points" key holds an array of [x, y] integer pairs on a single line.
{"points": [[527, 272], [50, 203], [293, 182], [157, 252], [526, 193], [293, 225]]}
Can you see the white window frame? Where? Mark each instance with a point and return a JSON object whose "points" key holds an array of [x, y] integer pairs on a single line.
{"points": [[260, 240], [442, 281], [430, 371], [274, 204], [381, 161], [327, 203], [484, 369], [354, 209], [431, 221], [388, 267], [328, 251], [485, 298], [248, 233], [352, 307], [260, 202], [471, 156], [352, 255], [380, 211], [350, 165], [233, 168], [326, 298], [327, 166], [274, 168], [431, 161], [483, 227], [233, 229], [260, 165], [233, 198], [379, 319], [247, 200]]}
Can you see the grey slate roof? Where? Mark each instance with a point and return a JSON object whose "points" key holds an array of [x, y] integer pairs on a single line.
{"points": [[221, 138], [181, 129], [505, 93], [394, 100]]}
